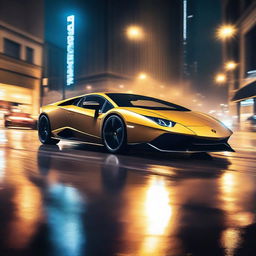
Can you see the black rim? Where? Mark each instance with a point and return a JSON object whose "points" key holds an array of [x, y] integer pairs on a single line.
{"points": [[43, 128], [113, 133]]}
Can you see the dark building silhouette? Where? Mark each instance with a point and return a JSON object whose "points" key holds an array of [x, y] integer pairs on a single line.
{"points": [[104, 56], [202, 54]]}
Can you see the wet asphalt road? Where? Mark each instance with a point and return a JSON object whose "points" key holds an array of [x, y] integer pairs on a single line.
{"points": [[76, 200]]}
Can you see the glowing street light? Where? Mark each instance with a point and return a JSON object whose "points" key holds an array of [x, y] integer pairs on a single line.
{"points": [[226, 31], [230, 65], [142, 76], [220, 78], [135, 33]]}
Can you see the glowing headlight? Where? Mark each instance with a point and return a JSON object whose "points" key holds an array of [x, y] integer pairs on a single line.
{"points": [[161, 121]]}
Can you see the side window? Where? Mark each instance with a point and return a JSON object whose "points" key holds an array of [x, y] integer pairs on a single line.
{"points": [[106, 107], [70, 102], [96, 98]]}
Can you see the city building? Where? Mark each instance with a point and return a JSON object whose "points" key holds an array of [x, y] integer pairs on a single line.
{"points": [[240, 49], [119, 45], [21, 46], [201, 53]]}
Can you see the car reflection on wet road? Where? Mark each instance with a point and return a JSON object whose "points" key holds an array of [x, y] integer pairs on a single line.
{"points": [[73, 200]]}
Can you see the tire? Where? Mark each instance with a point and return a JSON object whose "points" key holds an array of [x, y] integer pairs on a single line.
{"points": [[6, 125], [44, 131], [114, 134]]}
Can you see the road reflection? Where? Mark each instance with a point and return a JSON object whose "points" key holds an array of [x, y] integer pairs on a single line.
{"points": [[83, 215], [158, 209], [72, 201], [161, 214], [64, 207]]}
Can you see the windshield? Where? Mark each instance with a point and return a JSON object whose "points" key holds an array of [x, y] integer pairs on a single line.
{"points": [[138, 101]]}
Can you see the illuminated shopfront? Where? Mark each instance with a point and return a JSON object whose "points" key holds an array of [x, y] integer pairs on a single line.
{"points": [[20, 71], [15, 98]]}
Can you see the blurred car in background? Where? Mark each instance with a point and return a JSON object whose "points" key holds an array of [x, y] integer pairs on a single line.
{"points": [[16, 119], [250, 123]]}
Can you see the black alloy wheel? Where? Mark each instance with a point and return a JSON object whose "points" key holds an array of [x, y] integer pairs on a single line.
{"points": [[114, 134], [44, 131]]}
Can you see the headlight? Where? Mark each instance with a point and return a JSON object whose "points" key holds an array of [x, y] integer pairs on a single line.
{"points": [[161, 121]]}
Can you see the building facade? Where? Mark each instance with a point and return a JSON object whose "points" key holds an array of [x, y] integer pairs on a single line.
{"points": [[21, 46], [105, 58], [241, 49], [201, 53]]}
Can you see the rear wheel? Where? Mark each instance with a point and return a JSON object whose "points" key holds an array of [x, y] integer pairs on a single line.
{"points": [[6, 124], [114, 134], [44, 131]]}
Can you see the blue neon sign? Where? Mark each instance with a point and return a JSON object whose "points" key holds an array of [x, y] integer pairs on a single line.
{"points": [[70, 49]]}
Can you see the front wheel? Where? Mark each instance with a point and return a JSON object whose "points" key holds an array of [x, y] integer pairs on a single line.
{"points": [[114, 134], [44, 131]]}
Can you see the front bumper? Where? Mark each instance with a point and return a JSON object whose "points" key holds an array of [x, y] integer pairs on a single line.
{"points": [[168, 142]]}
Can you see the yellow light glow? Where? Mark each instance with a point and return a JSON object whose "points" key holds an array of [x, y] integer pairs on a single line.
{"points": [[226, 31], [230, 239], [220, 78], [142, 76], [228, 182], [157, 207], [134, 33], [230, 65]]}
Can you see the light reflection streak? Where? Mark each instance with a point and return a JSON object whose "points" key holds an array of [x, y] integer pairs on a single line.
{"points": [[158, 213], [234, 196], [228, 183], [230, 240], [64, 219], [64, 208], [3, 139], [157, 207], [27, 201], [16, 137], [161, 169]]}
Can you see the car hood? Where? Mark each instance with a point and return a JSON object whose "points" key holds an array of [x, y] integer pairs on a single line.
{"points": [[186, 118]]}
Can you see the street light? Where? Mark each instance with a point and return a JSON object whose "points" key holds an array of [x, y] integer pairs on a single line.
{"points": [[135, 33], [230, 65], [226, 31], [220, 78], [142, 76]]}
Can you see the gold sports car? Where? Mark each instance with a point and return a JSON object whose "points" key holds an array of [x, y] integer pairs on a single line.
{"points": [[117, 120]]}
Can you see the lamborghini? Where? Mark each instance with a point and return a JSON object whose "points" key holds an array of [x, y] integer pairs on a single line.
{"points": [[117, 120]]}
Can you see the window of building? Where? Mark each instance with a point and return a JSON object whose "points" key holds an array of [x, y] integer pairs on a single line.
{"points": [[29, 55], [250, 42], [12, 48]]}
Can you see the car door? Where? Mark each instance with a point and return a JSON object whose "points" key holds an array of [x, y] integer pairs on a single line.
{"points": [[83, 121], [59, 117]]}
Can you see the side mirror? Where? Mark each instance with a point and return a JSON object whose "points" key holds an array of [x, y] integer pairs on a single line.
{"points": [[92, 105]]}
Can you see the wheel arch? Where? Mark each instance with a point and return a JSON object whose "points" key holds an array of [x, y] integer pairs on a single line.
{"points": [[113, 114], [44, 114]]}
